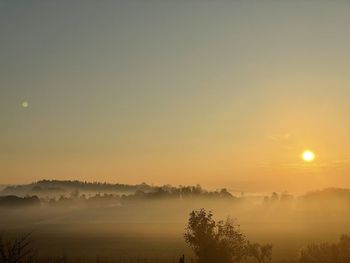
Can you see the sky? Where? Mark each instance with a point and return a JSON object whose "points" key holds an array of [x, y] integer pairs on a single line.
{"points": [[218, 93]]}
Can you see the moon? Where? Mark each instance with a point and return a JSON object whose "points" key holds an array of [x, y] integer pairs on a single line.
{"points": [[308, 156], [24, 104]]}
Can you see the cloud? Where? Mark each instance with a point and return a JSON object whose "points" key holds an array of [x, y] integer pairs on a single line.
{"points": [[279, 137], [341, 161]]}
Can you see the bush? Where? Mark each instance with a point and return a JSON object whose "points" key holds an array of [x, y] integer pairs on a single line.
{"points": [[221, 241], [326, 252]]}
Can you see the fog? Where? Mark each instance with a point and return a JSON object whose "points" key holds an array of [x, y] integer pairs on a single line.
{"points": [[154, 228]]}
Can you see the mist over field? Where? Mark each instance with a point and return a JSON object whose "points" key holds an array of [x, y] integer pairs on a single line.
{"points": [[151, 223], [166, 131]]}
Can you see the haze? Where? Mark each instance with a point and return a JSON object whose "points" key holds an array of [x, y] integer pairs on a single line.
{"points": [[224, 94]]}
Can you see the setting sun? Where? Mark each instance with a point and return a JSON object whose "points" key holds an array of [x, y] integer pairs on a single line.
{"points": [[308, 156]]}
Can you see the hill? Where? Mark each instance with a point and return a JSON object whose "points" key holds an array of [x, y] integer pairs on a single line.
{"points": [[59, 187]]}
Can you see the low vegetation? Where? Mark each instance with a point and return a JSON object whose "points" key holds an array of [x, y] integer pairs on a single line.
{"points": [[211, 241], [222, 241], [140, 217]]}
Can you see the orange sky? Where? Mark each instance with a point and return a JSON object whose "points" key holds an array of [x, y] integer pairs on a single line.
{"points": [[220, 94]]}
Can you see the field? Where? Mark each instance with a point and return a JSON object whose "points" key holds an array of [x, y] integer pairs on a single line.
{"points": [[153, 231]]}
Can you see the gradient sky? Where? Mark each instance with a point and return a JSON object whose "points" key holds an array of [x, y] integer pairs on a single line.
{"points": [[220, 93]]}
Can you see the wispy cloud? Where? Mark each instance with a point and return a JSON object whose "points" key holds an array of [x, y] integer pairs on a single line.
{"points": [[326, 165], [341, 161], [279, 137]]}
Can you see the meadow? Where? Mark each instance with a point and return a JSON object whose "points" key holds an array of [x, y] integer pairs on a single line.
{"points": [[152, 230]]}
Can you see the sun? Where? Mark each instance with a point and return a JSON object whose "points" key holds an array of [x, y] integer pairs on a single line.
{"points": [[308, 156]]}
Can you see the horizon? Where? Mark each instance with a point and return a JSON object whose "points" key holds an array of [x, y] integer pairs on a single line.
{"points": [[234, 192], [193, 131], [220, 94]]}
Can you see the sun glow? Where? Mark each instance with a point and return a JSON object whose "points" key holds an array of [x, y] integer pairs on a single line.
{"points": [[308, 156]]}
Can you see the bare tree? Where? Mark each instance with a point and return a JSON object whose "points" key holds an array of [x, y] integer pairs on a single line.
{"points": [[17, 250]]}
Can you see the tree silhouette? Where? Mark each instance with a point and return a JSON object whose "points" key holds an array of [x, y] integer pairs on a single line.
{"points": [[214, 241], [259, 253], [326, 252], [17, 250]]}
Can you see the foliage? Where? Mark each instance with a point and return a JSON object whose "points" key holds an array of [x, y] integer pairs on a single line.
{"points": [[214, 241], [326, 252], [15, 201], [72, 193], [259, 253]]}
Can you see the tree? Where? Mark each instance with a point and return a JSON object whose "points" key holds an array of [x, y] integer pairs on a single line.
{"points": [[326, 252], [259, 253], [344, 248], [214, 241], [17, 250]]}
